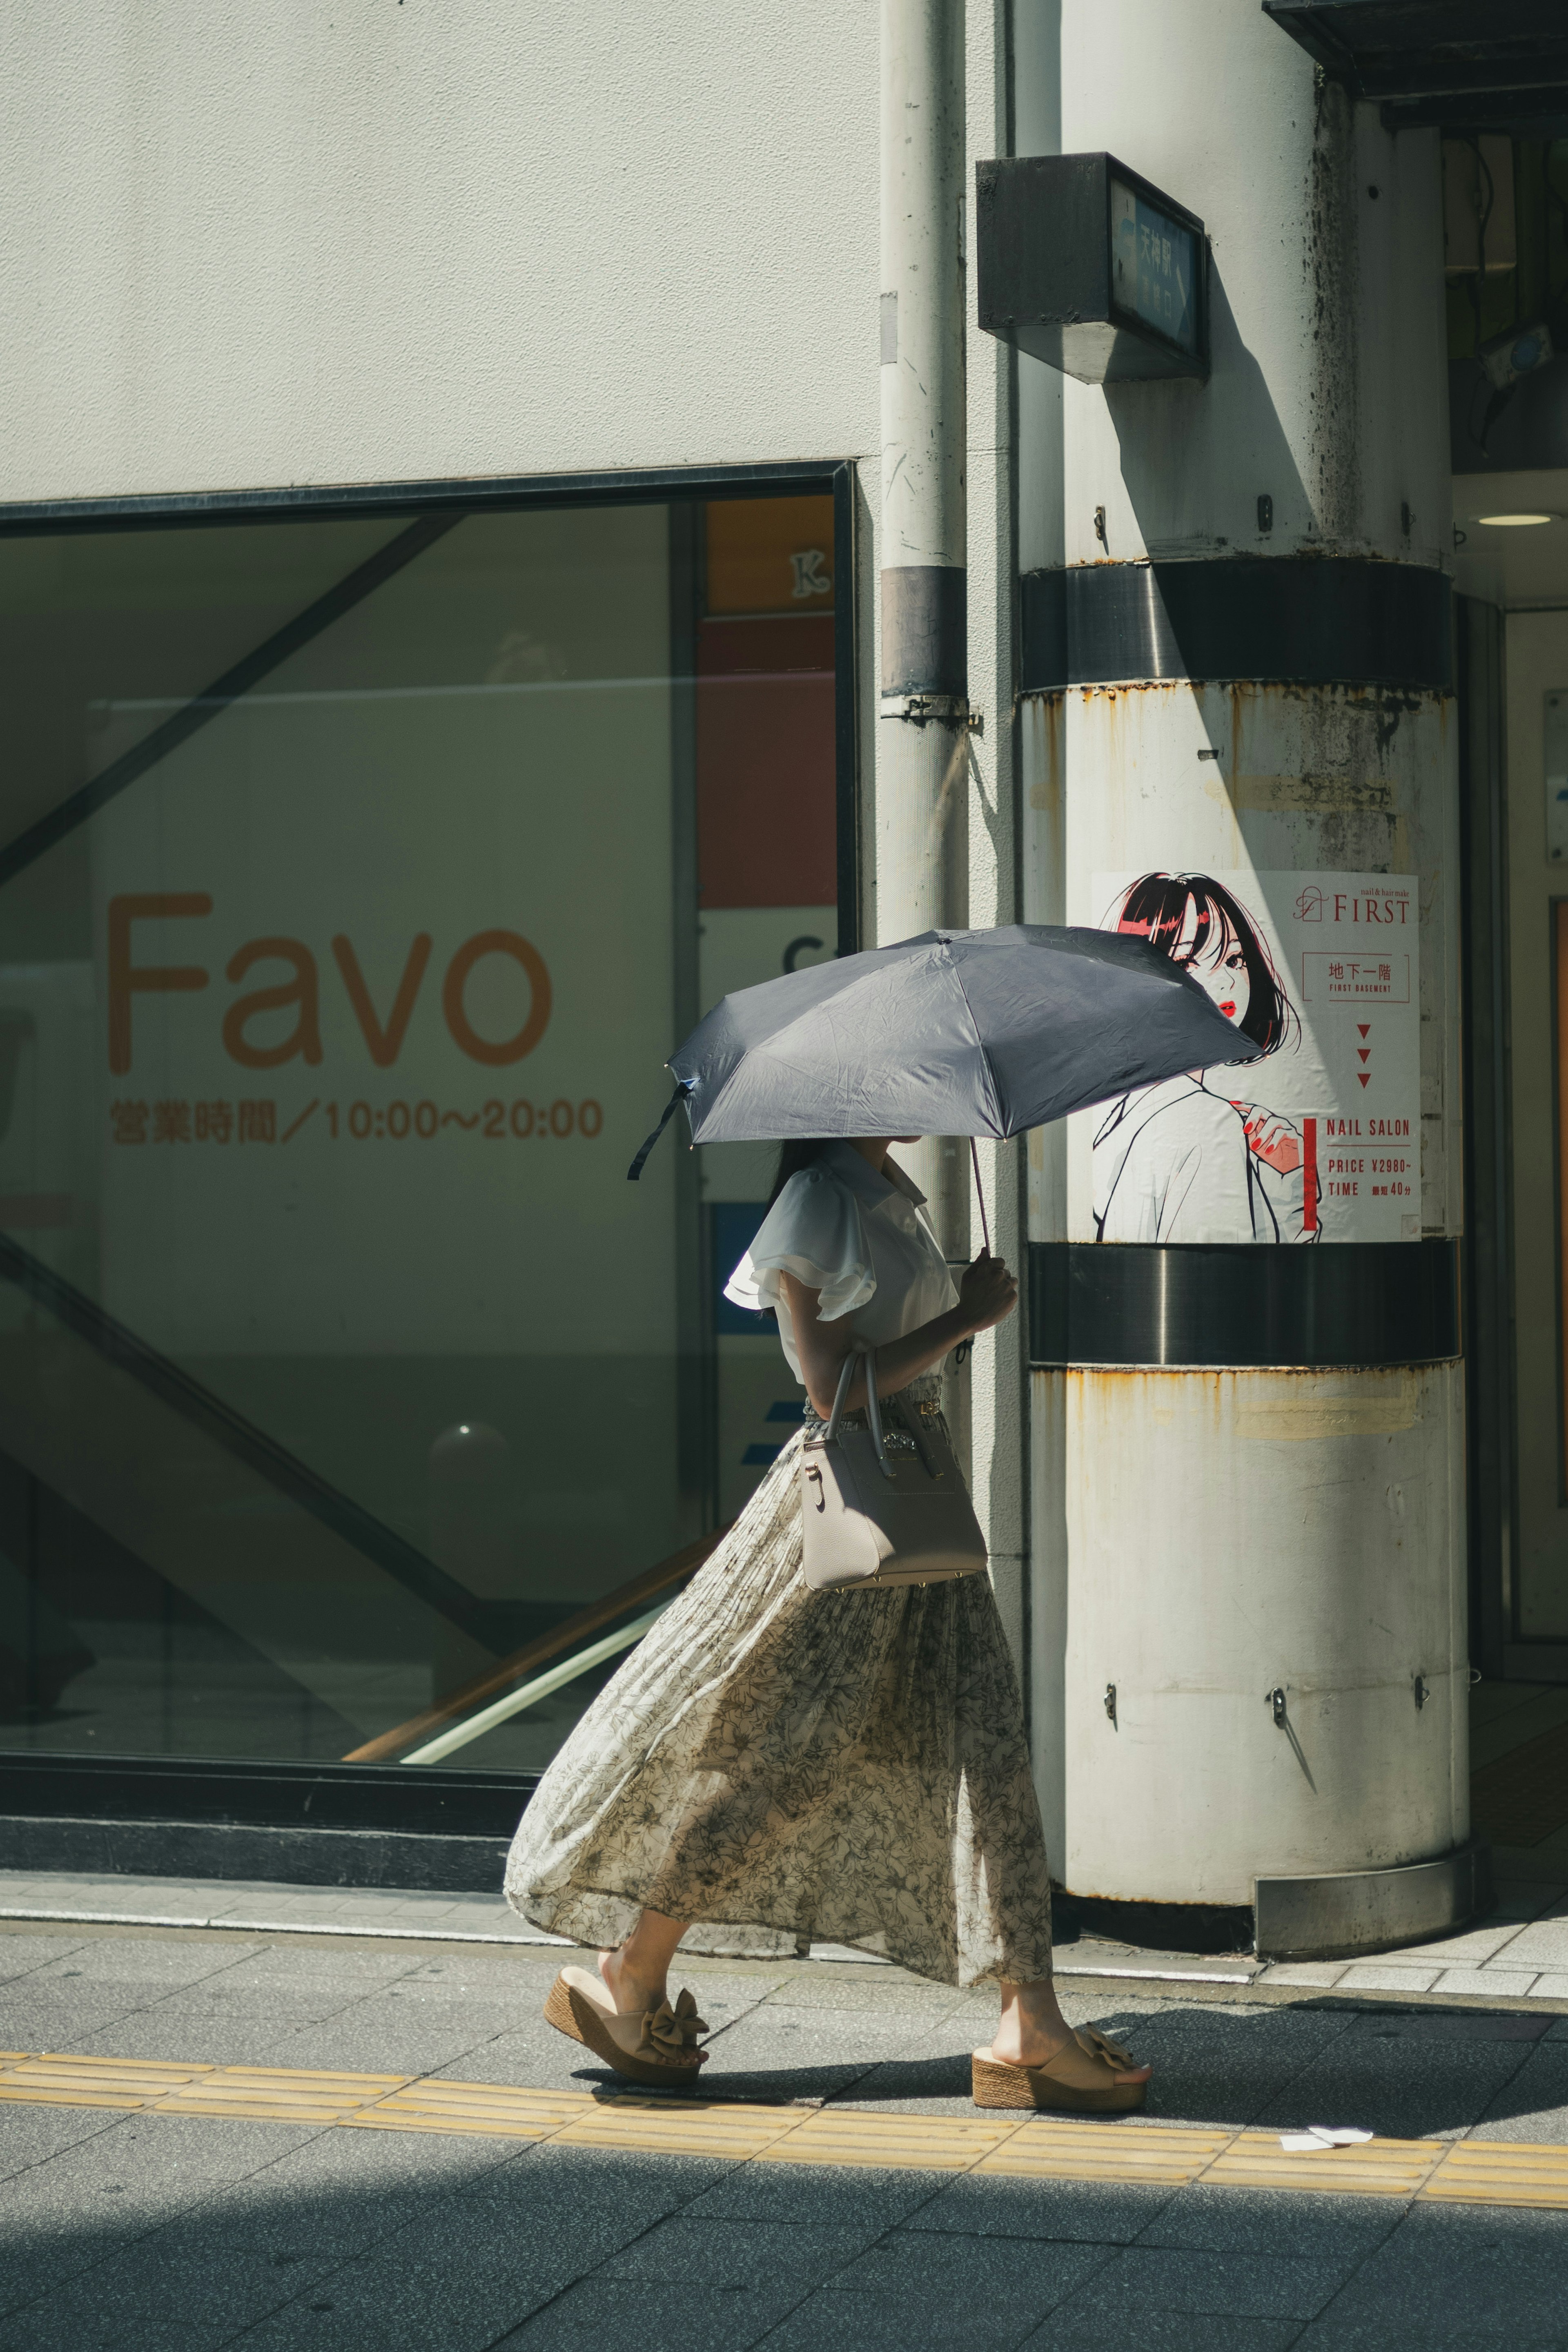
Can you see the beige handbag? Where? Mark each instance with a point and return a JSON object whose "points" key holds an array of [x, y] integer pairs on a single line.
{"points": [[880, 1510]]}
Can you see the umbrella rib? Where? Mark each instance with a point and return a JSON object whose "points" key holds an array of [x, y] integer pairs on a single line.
{"points": [[979, 1042]]}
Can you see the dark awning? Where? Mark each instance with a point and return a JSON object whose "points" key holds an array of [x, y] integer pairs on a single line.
{"points": [[1479, 62]]}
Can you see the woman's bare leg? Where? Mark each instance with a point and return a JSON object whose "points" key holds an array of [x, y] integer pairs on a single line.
{"points": [[1033, 2028], [637, 1973]]}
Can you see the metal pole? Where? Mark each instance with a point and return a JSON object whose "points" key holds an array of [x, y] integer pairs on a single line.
{"points": [[923, 735]]}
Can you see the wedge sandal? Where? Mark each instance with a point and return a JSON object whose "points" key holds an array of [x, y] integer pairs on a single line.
{"points": [[1080, 2080], [653, 2050]]}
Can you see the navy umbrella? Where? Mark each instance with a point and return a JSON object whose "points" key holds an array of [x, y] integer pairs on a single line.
{"points": [[955, 1032]]}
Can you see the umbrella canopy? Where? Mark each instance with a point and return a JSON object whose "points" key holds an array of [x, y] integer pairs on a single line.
{"points": [[955, 1032]]}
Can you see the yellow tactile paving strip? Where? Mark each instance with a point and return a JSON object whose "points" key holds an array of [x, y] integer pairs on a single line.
{"points": [[1031, 2148]]}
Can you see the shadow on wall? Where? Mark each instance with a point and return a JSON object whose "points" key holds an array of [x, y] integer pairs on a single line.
{"points": [[1196, 459]]}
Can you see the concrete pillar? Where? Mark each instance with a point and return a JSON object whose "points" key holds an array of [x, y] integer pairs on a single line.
{"points": [[1248, 1515]]}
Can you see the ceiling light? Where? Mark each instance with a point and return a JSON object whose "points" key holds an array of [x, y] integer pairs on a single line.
{"points": [[1512, 521]]}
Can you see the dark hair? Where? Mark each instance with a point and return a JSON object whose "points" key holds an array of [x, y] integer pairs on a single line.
{"points": [[792, 1156], [1155, 907]]}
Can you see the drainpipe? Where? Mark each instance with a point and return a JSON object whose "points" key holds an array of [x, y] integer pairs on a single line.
{"points": [[922, 730]]}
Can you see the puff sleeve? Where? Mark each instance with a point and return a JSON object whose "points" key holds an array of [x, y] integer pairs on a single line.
{"points": [[813, 1232]]}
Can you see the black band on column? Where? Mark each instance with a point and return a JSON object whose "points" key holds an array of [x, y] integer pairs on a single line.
{"points": [[924, 630], [1314, 1305], [1296, 620]]}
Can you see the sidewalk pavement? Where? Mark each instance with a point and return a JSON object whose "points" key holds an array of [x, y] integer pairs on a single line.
{"points": [[163, 2233], [1519, 1952]]}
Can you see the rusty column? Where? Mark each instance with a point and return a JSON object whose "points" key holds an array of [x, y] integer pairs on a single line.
{"points": [[1249, 1624]]}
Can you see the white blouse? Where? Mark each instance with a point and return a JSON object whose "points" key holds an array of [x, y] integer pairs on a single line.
{"points": [[863, 1240]]}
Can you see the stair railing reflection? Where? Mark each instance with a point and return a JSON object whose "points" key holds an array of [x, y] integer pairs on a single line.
{"points": [[503, 1685]]}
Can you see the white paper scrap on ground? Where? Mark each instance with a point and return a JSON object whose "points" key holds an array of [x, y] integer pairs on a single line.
{"points": [[1321, 2136]]}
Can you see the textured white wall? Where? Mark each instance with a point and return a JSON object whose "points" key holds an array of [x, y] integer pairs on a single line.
{"points": [[355, 240]]}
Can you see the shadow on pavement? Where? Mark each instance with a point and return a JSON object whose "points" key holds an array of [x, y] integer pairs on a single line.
{"points": [[1402, 2074]]}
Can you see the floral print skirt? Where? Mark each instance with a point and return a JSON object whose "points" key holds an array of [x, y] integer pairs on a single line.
{"points": [[779, 1766]]}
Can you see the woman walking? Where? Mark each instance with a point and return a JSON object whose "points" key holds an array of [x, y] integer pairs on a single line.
{"points": [[774, 1765]]}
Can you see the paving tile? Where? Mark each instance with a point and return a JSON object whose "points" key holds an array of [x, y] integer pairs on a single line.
{"points": [[772, 2053], [870, 2200], [1089, 2213], [1268, 2223], [362, 2038], [1491, 1983], [1471, 1947], [301, 1966], [484, 1975], [619, 2192], [67, 2324], [467, 2268], [609, 2314], [342, 2192], [915, 1996], [213, 2284], [1330, 2334], [1533, 2104], [1079, 2329], [461, 2304], [1381, 1975], [98, 2196], [285, 2004], [1550, 1985], [930, 2080], [1400, 2085], [938, 2290], [144, 1967], [24, 1956], [1456, 2274], [1542, 1944], [738, 2256], [1201, 2280], [30, 2135], [53, 2019], [1222, 2065], [532, 2052], [173, 2037]]}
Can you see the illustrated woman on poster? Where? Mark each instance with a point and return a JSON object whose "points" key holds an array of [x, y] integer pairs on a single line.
{"points": [[1186, 1161]]}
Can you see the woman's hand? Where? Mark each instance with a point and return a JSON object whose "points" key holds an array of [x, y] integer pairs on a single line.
{"points": [[987, 1293], [1273, 1137]]}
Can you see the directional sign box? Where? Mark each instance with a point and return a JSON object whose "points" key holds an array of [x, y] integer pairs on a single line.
{"points": [[1085, 266]]}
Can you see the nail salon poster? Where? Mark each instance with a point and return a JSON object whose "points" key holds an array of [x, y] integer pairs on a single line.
{"points": [[1318, 1138]]}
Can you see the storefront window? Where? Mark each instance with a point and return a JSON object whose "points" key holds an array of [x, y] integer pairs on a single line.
{"points": [[357, 877]]}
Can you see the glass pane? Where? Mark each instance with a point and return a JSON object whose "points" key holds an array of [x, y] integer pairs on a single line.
{"points": [[347, 910], [1560, 1095], [769, 883]]}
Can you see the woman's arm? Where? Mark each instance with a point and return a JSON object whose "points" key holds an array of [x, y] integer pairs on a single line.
{"points": [[986, 1294]]}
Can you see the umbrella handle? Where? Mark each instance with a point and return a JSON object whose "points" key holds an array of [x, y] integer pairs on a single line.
{"points": [[683, 1089], [979, 1192]]}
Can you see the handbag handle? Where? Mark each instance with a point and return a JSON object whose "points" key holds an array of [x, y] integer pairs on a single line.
{"points": [[873, 1409]]}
